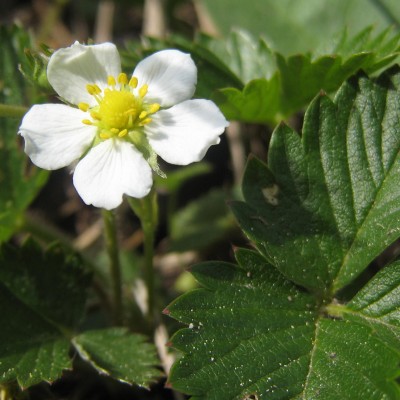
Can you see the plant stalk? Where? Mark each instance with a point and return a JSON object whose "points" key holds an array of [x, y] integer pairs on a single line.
{"points": [[12, 111], [147, 211], [110, 234]]}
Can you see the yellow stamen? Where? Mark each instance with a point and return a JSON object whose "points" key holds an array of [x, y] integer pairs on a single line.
{"points": [[143, 90], [114, 130], [143, 114], [133, 82], [154, 108], [87, 122], [123, 133], [122, 78], [145, 121], [83, 106], [104, 135], [111, 81]]}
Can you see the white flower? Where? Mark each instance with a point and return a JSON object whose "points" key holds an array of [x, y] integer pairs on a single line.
{"points": [[119, 124]]}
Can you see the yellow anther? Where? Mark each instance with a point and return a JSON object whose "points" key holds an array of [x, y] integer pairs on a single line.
{"points": [[93, 89], [143, 90], [122, 78], [123, 133], [133, 82], [154, 108], [95, 115], [111, 81], [143, 114], [87, 122], [104, 135], [90, 89], [145, 121], [83, 106], [114, 130]]}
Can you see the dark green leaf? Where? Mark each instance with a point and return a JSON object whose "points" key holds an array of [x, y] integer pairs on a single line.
{"points": [[124, 356], [249, 331], [253, 334], [322, 209], [42, 297]]}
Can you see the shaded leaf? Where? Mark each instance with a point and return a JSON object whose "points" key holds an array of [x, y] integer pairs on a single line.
{"points": [[201, 223], [124, 356], [42, 297]]}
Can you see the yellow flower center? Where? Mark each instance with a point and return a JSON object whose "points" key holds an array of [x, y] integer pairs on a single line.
{"points": [[117, 108], [121, 108]]}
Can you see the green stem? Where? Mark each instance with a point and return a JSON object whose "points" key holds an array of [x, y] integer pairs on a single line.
{"points": [[147, 211], [12, 111], [115, 267]]}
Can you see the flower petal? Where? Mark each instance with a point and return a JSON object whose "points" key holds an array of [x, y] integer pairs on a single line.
{"points": [[183, 134], [55, 135], [71, 69], [171, 77], [111, 169]]}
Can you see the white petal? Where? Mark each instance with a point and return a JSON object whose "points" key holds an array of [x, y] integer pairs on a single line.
{"points": [[170, 75], [184, 133], [111, 169], [55, 135], [70, 69]]}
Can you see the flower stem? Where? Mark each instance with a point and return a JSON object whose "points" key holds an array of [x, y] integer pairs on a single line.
{"points": [[7, 110], [147, 211], [115, 267]]}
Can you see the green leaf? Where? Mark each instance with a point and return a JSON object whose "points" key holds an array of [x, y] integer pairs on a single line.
{"points": [[124, 356], [42, 298], [19, 181], [242, 313], [254, 334], [322, 209], [326, 204], [296, 26], [365, 343], [277, 86]]}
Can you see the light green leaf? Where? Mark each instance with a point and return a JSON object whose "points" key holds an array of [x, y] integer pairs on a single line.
{"points": [[42, 298], [253, 334], [326, 204], [19, 181], [295, 26], [124, 356]]}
